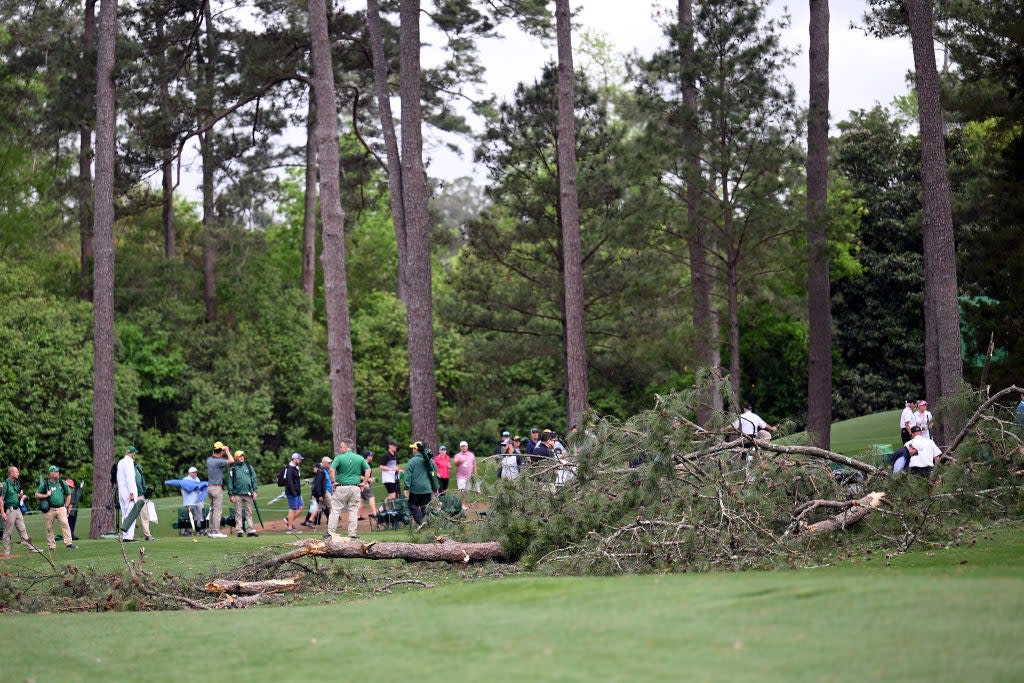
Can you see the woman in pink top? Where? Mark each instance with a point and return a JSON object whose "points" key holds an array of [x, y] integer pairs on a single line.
{"points": [[442, 461], [465, 471]]}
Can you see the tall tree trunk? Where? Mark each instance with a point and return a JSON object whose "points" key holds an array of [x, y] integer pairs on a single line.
{"points": [[942, 313], [208, 70], [705, 339], [103, 276], [309, 207], [167, 172], [85, 208], [572, 249], [419, 294], [339, 333], [387, 124], [819, 295], [732, 287]]}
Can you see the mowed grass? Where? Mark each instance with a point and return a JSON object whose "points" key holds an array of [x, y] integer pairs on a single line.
{"points": [[945, 615]]}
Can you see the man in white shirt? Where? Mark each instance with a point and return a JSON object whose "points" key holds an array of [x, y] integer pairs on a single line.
{"points": [[127, 489], [750, 423], [928, 452], [907, 420]]}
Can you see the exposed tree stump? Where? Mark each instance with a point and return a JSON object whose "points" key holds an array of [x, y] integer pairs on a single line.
{"points": [[855, 511]]}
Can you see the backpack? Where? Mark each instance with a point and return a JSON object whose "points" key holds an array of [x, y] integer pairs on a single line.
{"points": [[282, 476]]}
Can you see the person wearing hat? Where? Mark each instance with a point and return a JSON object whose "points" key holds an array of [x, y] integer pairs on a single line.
{"points": [[465, 472], [442, 462], [192, 498], [907, 420], [349, 474], [506, 438], [58, 495], [320, 492], [532, 442], [216, 467], [923, 419], [389, 470], [243, 490], [421, 480], [127, 488], [293, 491], [11, 498]]}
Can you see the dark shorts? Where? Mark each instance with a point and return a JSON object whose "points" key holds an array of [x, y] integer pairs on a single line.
{"points": [[294, 502], [391, 486], [366, 493], [921, 471], [443, 483]]}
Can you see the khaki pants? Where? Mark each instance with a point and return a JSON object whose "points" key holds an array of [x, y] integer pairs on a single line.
{"points": [[14, 521], [215, 492], [61, 514], [143, 519], [243, 513], [344, 498]]}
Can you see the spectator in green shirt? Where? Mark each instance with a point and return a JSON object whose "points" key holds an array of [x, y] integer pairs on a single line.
{"points": [[350, 473], [11, 497], [242, 488], [58, 495]]}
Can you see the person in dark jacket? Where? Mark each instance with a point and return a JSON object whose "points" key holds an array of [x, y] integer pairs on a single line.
{"points": [[320, 492], [293, 491], [421, 480]]}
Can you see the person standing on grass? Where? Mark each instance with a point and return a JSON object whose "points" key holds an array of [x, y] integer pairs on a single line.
{"points": [[192, 499], [293, 491], [143, 494], [11, 498], [389, 470], [366, 494], [442, 463], [465, 472], [349, 474], [243, 488], [216, 468], [421, 480], [57, 493], [127, 489], [319, 492], [907, 420]]}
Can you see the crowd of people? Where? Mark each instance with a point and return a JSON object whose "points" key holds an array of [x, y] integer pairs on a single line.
{"points": [[343, 485]]}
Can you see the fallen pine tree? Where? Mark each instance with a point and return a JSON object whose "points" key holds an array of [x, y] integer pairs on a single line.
{"points": [[339, 547]]}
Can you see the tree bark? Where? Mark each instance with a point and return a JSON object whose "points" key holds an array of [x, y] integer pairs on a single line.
{"points": [[252, 587], [339, 333], [167, 174], [419, 294], [309, 208], [942, 312], [85, 151], [103, 275], [387, 124], [819, 295], [206, 152], [705, 340], [572, 249], [446, 551]]}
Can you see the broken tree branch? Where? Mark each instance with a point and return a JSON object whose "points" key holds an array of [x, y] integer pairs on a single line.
{"points": [[857, 510], [341, 548]]}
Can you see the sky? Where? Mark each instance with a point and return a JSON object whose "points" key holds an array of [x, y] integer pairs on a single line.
{"points": [[863, 70]]}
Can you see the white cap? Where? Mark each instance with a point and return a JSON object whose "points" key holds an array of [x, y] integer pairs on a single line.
{"points": [[463, 443], [192, 469]]}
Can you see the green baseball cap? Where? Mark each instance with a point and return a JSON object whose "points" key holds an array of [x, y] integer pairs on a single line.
{"points": [[54, 468]]}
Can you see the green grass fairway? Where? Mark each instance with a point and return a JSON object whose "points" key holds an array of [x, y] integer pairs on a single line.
{"points": [[851, 437], [948, 615]]}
